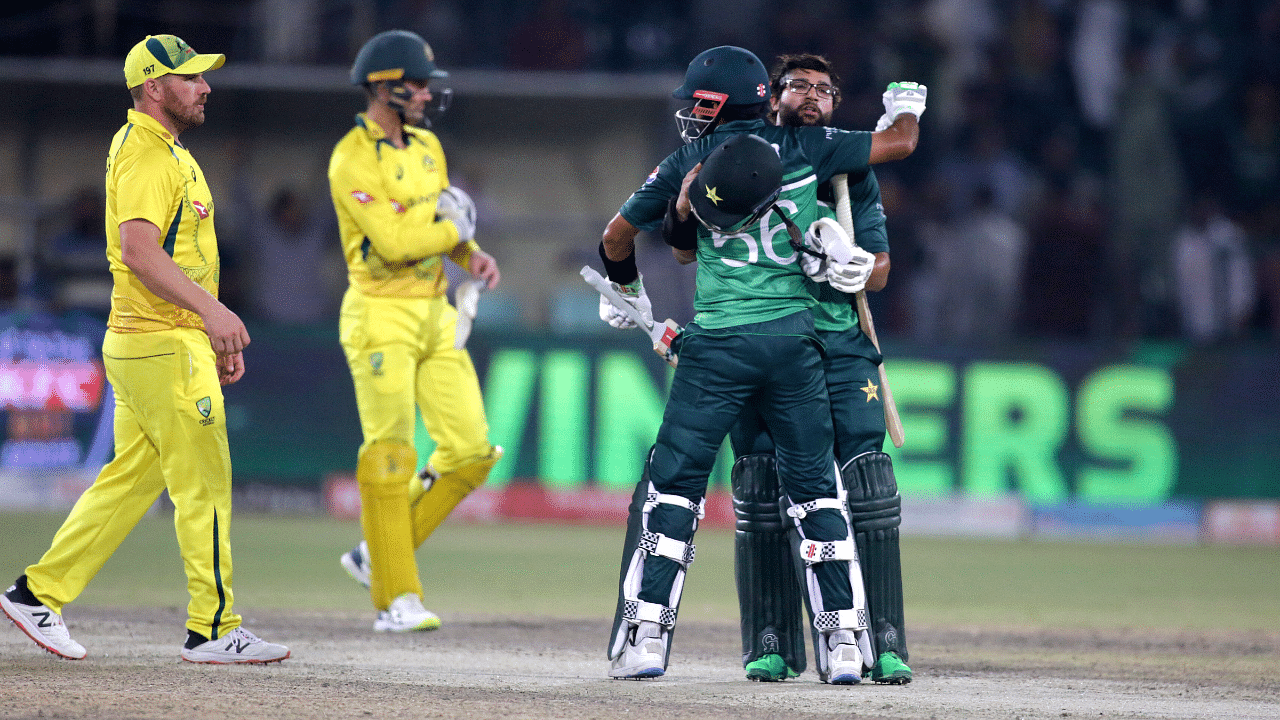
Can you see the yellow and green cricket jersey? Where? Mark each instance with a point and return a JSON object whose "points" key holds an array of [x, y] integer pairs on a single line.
{"points": [[151, 177], [385, 198]]}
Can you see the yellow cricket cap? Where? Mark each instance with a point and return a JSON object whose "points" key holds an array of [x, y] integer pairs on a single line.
{"points": [[158, 55]]}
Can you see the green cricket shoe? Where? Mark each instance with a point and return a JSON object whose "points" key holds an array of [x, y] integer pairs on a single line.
{"points": [[890, 670], [772, 668]]}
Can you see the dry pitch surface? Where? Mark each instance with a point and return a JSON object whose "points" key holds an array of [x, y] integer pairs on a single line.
{"points": [[485, 667]]}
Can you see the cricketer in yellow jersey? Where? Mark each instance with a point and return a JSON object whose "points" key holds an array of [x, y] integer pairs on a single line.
{"points": [[398, 219], [170, 346]]}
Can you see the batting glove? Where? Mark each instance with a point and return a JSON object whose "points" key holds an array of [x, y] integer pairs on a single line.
{"points": [[814, 266], [851, 277], [456, 206], [903, 97], [636, 297]]}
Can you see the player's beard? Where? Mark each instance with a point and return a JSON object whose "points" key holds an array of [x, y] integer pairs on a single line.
{"points": [[794, 117], [184, 117]]}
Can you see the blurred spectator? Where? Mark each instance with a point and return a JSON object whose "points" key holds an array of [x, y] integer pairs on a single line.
{"points": [[1147, 189], [1036, 90], [73, 271], [937, 267], [1255, 197], [1061, 281], [965, 29], [1255, 149], [1097, 59], [982, 159], [985, 304], [443, 24], [1214, 274], [294, 252], [288, 30], [1265, 236]]}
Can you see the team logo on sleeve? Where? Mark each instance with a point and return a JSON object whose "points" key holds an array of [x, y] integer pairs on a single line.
{"points": [[201, 210], [652, 176], [375, 361], [362, 197]]}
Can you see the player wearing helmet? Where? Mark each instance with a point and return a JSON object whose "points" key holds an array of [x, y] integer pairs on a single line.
{"points": [[804, 91], [399, 218], [752, 340]]}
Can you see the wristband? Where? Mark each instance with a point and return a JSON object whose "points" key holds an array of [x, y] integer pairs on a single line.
{"points": [[624, 271]]}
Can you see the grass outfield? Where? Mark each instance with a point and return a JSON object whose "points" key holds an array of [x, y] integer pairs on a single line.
{"points": [[511, 571]]}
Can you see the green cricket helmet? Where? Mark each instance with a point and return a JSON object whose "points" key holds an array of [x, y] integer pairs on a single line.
{"points": [[725, 75], [394, 56], [738, 183]]}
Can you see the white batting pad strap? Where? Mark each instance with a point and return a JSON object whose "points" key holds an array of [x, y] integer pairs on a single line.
{"points": [[814, 551], [670, 548], [635, 611], [653, 498], [799, 511], [855, 619]]}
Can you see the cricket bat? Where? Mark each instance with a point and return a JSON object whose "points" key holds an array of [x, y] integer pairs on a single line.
{"points": [[660, 333], [844, 214]]}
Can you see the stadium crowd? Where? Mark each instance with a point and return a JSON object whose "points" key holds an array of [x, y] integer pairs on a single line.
{"points": [[1093, 170]]}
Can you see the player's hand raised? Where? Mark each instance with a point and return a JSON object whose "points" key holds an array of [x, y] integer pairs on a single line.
{"points": [[903, 97]]}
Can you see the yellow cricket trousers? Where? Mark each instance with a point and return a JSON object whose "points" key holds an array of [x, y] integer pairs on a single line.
{"points": [[170, 432], [401, 355]]}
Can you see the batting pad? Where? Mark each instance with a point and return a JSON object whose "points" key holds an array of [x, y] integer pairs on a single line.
{"points": [[822, 539], [876, 511], [432, 505], [769, 596], [656, 554], [383, 471]]}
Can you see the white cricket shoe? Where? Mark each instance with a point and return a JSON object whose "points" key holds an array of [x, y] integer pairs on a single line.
{"points": [[406, 614], [644, 655], [844, 658], [237, 646], [356, 563], [42, 625]]}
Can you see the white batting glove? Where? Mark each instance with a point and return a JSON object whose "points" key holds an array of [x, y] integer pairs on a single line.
{"points": [[903, 97], [851, 277], [456, 206], [884, 122], [635, 296], [814, 267]]}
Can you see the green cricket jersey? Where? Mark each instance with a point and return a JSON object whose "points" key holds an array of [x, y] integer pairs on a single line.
{"points": [[753, 275]]}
